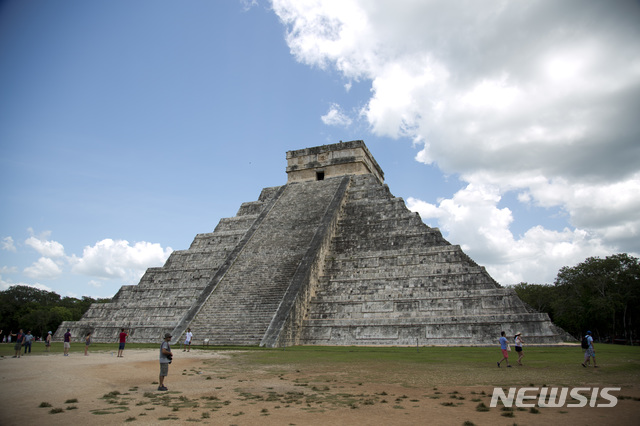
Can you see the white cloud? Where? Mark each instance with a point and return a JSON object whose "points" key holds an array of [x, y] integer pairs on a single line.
{"points": [[46, 248], [248, 4], [537, 97], [94, 284], [43, 268], [7, 244], [471, 218], [118, 259], [335, 117]]}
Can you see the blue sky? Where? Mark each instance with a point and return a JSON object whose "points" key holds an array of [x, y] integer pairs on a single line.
{"points": [[126, 128]]}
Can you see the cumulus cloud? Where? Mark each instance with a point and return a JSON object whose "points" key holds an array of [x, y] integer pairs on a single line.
{"points": [[7, 244], [472, 217], [45, 247], [43, 268], [118, 259], [539, 98], [335, 117]]}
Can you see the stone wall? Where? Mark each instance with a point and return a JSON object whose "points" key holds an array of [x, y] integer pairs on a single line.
{"points": [[341, 159]]}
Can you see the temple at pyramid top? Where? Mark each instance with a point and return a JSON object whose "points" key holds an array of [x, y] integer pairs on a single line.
{"points": [[321, 162], [332, 257]]}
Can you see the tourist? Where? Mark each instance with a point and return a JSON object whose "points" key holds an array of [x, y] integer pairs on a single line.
{"points": [[47, 342], [518, 344], [28, 338], [19, 340], [165, 359], [187, 340], [123, 339], [87, 342], [590, 352], [67, 342], [504, 347]]}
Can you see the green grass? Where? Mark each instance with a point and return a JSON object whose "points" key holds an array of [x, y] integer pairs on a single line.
{"points": [[428, 366], [468, 366]]}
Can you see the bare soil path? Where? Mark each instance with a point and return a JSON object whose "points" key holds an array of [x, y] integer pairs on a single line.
{"points": [[219, 388]]}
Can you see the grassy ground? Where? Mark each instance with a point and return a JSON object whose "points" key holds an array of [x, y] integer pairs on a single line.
{"points": [[430, 366], [316, 385], [425, 366]]}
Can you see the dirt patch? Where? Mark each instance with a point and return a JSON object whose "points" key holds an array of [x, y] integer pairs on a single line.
{"points": [[210, 387]]}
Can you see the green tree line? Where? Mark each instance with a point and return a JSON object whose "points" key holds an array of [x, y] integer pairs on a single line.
{"points": [[40, 311], [600, 295]]}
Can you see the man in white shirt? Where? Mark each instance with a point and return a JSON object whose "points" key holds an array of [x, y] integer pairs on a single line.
{"points": [[187, 340]]}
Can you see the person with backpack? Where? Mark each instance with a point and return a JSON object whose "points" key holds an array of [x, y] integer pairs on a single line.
{"points": [[166, 356], [590, 352]]}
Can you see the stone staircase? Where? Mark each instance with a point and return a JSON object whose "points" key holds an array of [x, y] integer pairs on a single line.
{"points": [[163, 296], [242, 306], [390, 279]]}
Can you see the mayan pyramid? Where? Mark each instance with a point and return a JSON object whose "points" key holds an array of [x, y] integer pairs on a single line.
{"points": [[330, 258]]}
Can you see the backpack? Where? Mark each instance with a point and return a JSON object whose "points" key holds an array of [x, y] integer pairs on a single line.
{"points": [[585, 343]]}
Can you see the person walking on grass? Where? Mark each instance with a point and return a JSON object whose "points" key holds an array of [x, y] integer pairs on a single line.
{"points": [[165, 359], [504, 347], [187, 340], [123, 339], [87, 342], [518, 344], [590, 352], [67, 342]]}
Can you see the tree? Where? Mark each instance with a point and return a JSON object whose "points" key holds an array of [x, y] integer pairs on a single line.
{"points": [[36, 321], [539, 296], [60, 314], [601, 295], [39, 310]]}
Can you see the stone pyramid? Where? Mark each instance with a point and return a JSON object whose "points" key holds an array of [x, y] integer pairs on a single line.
{"points": [[330, 258]]}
